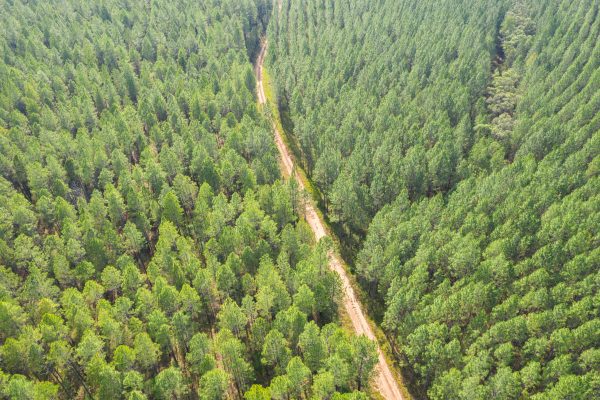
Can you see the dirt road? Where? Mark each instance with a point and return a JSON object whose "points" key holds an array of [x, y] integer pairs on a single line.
{"points": [[384, 380]]}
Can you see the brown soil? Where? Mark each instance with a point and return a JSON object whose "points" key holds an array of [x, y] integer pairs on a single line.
{"points": [[384, 379]]}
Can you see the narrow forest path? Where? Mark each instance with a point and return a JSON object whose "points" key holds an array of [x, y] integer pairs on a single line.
{"points": [[384, 380]]}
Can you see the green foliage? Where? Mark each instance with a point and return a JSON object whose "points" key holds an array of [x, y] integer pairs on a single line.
{"points": [[147, 243], [213, 385], [199, 358], [459, 142], [171, 210], [275, 352], [394, 110], [257, 392], [168, 384]]}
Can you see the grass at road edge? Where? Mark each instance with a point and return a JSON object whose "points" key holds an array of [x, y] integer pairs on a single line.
{"points": [[312, 190], [314, 193]]}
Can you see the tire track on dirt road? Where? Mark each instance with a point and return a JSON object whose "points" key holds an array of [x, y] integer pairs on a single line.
{"points": [[384, 380]]}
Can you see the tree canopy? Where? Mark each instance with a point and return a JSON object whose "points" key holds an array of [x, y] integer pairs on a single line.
{"points": [[148, 246], [458, 143]]}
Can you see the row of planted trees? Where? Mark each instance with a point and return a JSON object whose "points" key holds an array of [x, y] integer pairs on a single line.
{"points": [[463, 138], [148, 248]]}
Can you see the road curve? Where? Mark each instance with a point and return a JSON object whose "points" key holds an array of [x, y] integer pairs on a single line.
{"points": [[384, 379]]}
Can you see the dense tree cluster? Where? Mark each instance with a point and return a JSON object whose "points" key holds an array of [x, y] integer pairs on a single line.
{"points": [[471, 131], [148, 248], [382, 94]]}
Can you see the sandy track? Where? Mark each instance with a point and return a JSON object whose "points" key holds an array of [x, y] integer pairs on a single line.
{"points": [[384, 379]]}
